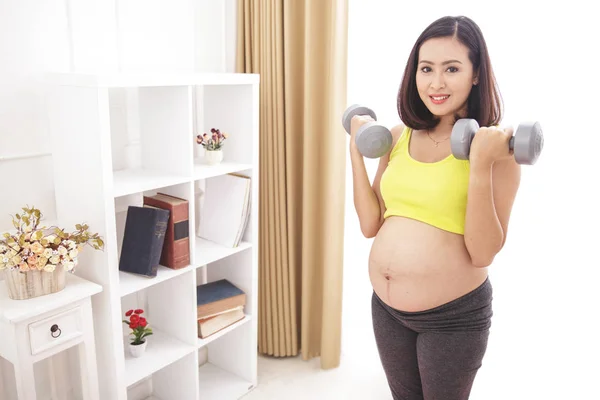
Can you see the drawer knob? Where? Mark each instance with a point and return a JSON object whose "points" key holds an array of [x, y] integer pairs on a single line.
{"points": [[54, 329]]}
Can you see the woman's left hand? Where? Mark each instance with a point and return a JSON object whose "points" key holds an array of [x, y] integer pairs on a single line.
{"points": [[489, 145]]}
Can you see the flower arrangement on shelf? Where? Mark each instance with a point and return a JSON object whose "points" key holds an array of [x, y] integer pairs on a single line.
{"points": [[212, 142], [139, 331], [35, 257], [213, 145]]}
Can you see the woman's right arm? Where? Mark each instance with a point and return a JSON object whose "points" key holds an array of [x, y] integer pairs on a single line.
{"points": [[368, 202]]}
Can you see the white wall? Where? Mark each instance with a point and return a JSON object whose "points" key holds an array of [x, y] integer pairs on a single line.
{"points": [[544, 341], [84, 36]]}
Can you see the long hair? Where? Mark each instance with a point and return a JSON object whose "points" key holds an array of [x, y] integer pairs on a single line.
{"points": [[484, 103]]}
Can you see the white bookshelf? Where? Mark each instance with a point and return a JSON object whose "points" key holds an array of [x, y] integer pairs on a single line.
{"points": [[117, 137]]}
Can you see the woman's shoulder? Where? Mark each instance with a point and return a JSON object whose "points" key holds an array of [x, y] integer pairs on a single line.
{"points": [[397, 131]]}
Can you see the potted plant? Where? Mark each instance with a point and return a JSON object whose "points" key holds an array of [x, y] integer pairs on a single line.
{"points": [[36, 258], [213, 145], [139, 331]]}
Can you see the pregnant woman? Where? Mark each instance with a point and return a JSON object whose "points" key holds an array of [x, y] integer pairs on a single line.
{"points": [[438, 222]]}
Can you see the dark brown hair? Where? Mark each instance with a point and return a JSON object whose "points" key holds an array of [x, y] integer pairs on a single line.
{"points": [[484, 101]]}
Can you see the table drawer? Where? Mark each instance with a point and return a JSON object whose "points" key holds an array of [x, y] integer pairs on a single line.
{"points": [[55, 330]]}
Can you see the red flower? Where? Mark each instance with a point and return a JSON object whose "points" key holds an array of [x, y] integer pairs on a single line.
{"points": [[139, 311], [133, 325], [143, 322], [128, 313], [135, 318]]}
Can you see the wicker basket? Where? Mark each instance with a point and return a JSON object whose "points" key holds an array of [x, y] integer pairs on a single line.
{"points": [[30, 284]]}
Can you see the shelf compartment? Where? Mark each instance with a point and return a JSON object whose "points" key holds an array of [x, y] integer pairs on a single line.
{"points": [[204, 171], [232, 110], [162, 351], [208, 252], [178, 380], [137, 180], [130, 283], [223, 332], [216, 383], [151, 139]]}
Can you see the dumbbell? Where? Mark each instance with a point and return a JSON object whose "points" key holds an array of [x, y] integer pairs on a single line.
{"points": [[527, 142], [372, 139]]}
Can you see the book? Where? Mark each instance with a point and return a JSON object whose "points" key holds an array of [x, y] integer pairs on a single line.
{"points": [[143, 240], [245, 212], [213, 324], [218, 296], [226, 209], [176, 247]]}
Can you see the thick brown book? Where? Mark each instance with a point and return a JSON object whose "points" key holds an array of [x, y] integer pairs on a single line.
{"points": [[210, 325], [176, 248]]}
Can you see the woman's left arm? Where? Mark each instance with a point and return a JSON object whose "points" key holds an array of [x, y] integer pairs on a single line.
{"points": [[493, 187]]}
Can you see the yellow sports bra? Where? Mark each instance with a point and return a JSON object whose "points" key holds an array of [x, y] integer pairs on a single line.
{"points": [[434, 193]]}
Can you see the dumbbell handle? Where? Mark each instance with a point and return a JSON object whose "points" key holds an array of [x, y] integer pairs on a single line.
{"points": [[526, 143], [511, 142]]}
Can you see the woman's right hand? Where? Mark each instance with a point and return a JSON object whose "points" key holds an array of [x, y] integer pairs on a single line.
{"points": [[355, 123]]}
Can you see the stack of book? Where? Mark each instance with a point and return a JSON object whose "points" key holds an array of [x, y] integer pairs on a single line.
{"points": [[156, 233], [220, 304], [226, 209]]}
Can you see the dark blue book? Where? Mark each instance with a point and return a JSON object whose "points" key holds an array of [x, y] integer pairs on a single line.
{"points": [[218, 296], [143, 240]]}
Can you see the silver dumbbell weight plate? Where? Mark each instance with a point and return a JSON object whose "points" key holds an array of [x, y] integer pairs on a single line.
{"points": [[373, 140], [462, 134], [353, 110], [527, 143]]}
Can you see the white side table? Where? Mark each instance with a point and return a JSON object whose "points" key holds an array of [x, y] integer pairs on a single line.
{"points": [[34, 329]]}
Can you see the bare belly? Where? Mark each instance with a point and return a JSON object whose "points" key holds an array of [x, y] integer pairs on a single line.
{"points": [[414, 266]]}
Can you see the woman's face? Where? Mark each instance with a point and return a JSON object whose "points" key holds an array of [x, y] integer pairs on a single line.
{"points": [[444, 76]]}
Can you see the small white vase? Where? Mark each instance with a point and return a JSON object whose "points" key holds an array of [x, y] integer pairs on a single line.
{"points": [[213, 157], [137, 350]]}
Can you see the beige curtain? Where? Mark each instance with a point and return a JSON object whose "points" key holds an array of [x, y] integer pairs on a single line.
{"points": [[299, 48]]}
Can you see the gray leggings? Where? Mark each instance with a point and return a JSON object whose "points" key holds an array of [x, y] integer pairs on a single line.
{"points": [[434, 354]]}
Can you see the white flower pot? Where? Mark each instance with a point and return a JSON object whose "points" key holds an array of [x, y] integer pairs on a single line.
{"points": [[137, 350], [213, 157]]}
